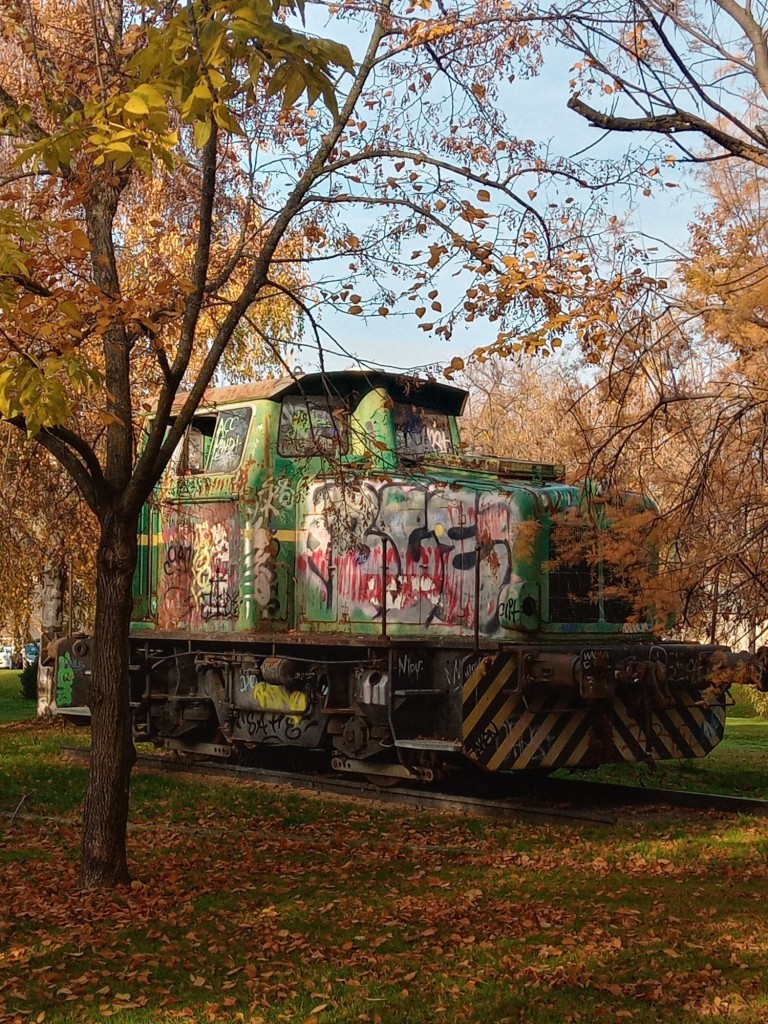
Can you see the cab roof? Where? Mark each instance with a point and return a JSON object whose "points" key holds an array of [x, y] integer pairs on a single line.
{"points": [[344, 384]]}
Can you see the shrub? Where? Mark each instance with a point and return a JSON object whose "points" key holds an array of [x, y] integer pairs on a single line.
{"points": [[759, 701], [750, 702], [28, 681]]}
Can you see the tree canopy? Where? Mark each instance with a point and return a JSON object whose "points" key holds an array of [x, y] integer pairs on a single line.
{"points": [[680, 408], [182, 182]]}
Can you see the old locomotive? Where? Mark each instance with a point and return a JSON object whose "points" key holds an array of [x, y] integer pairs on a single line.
{"points": [[323, 567]]}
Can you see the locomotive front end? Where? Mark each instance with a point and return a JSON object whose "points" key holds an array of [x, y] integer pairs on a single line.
{"points": [[550, 708]]}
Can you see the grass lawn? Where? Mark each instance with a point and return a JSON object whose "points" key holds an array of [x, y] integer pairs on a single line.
{"points": [[253, 905], [13, 707]]}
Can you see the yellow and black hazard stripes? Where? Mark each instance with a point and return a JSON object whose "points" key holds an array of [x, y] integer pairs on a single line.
{"points": [[509, 729], [683, 731], [525, 744], [522, 731], [504, 730], [488, 693], [572, 742]]}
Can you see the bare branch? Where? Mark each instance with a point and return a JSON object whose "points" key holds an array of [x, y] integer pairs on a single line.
{"points": [[669, 124]]}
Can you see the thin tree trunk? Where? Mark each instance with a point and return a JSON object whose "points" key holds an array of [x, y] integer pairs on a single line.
{"points": [[715, 610], [51, 626], [105, 814]]}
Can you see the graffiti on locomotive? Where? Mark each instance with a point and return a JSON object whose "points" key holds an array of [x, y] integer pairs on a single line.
{"points": [[430, 535]]}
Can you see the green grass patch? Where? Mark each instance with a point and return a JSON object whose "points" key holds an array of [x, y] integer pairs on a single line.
{"points": [[13, 707]]}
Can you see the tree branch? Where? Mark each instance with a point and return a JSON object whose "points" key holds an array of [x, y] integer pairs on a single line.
{"points": [[63, 444], [158, 451], [669, 124], [32, 126]]}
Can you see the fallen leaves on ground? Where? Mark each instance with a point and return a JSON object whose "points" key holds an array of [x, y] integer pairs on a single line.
{"points": [[268, 907]]}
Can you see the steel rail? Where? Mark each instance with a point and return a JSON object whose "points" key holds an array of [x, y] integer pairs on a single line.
{"points": [[610, 793], [575, 791], [502, 809]]}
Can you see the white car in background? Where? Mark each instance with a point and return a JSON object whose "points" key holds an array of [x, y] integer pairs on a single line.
{"points": [[6, 660]]}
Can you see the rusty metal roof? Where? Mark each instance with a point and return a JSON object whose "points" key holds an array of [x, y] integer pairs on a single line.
{"points": [[256, 389], [347, 384]]}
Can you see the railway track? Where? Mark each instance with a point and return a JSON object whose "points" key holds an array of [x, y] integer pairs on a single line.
{"points": [[613, 794], [503, 809], [571, 800]]}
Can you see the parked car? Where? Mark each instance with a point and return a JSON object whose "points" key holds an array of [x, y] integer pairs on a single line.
{"points": [[6, 658], [30, 653]]}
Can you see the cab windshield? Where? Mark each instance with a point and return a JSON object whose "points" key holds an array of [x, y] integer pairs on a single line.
{"points": [[421, 432]]}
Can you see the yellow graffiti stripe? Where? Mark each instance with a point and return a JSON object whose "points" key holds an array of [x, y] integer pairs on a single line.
{"points": [[489, 696], [277, 699], [574, 723], [288, 536]]}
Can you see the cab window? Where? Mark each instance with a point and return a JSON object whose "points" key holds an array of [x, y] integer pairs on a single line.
{"points": [[212, 443], [421, 432], [229, 440], [192, 450], [313, 426]]}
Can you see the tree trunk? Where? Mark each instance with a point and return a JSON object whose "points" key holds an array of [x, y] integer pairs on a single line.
{"points": [[105, 813], [51, 626]]}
